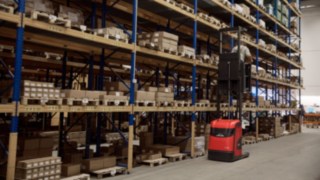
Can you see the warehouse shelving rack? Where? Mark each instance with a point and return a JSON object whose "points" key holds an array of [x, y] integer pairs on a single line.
{"points": [[102, 49]]}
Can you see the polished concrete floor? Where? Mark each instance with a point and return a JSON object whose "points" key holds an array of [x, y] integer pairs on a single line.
{"points": [[295, 157]]}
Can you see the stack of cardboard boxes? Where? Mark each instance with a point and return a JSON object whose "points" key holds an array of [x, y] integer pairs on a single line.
{"points": [[41, 168], [44, 6], [40, 90], [187, 51], [282, 12], [78, 137], [161, 40], [74, 15], [271, 126], [112, 32], [36, 148], [164, 94], [93, 164]]}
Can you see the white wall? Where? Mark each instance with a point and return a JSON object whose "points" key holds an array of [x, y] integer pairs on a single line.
{"points": [[311, 56]]}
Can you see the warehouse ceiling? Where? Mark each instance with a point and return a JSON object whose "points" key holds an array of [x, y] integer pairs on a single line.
{"points": [[310, 5]]}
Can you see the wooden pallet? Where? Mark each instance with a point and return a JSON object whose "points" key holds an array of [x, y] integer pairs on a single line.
{"points": [[185, 7], [6, 8], [78, 177], [164, 103], [170, 51], [202, 105], [145, 103], [40, 101], [49, 18], [176, 157], [81, 101], [155, 162], [110, 36], [187, 55], [109, 172], [115, 102], [171, 2], [182, 104], [249, 141]]}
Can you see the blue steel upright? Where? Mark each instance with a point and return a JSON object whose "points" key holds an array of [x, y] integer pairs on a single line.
{"points": [[132, 81], [194, 71], [16, 93]]}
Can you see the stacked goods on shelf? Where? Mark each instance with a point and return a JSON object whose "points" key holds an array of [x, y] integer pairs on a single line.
{"points": [[262, 24], [78, 137], [98, 163], [262, 43], [148, 156], [70, 170], [42, 91], [271, 126], [145, 96], [184, 143], [40, 168], [114, 96], [204, 58], [165, 150], [74, 15], [36, 148], [7, 2], [112, 32], [245, 10], [72, 96], [269, 9], [164, 94], [271, 48], [119, 86], [160, 40], [282, 12], [186, 51], [292, 123], [42, 6], [113, 137]]}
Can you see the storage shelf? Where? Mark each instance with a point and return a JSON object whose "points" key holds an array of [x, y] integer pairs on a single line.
{"points": [[8, 108]]}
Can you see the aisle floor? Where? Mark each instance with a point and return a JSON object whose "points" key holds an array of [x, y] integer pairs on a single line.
{"points": [[295, 157]]}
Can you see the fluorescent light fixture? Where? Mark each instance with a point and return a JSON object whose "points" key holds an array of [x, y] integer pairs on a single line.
{"points": [[308, 6]]}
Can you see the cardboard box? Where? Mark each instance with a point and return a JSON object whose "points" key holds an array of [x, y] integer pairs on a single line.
{"points": [[246, 9], [74, 15], [116, 93], [146, 139], [145, 96], [70, 93], [94, 164], [166, 35], [165, 149], [75, 157], [46, 143], [89, 165], [45, 6], [70, 169], [31, 144], [119, 86]]}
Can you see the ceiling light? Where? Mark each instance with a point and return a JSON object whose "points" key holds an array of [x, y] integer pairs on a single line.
{"points": [[308, 6]]}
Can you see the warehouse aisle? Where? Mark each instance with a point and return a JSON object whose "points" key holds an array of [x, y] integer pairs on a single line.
{"points": [[293, 157]]}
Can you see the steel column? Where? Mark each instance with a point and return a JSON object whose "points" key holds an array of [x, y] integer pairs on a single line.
{"points": [[13, 138]]}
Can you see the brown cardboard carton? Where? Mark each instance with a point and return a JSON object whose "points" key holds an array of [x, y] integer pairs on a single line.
{"points": [[75, 157], [31, 144], [109, 162], [165, 149], [93, 164], [151, 89], [145, 96], [153, 156], [70, 93], [70, 169], [46, 143], [146, 139]]}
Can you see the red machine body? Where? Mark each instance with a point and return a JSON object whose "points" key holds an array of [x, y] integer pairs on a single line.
{"points": [[225, 142]]}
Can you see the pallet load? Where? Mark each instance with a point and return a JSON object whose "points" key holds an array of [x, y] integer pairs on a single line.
{"points": [[271, 47], [160, 40], [36, 147], [68, 170], [148, 156], [184, 143], [42, 6], [78, 137], [119, 86], [271, 126], [41, 92], [7, 6], [40, 168], [204, 58], [245, 10], [164, 96], [145, 98], [186, 51], [112, 33], [75, 16], [115, 98], [83, 97]]}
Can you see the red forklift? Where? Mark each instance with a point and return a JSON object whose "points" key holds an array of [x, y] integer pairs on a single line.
{"points": [[225, 143]]}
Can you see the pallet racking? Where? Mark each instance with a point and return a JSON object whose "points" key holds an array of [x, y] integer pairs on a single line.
{"points": [[96, 50]]}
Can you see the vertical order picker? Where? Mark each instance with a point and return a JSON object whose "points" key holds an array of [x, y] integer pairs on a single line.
{"points": [[225, 143]]}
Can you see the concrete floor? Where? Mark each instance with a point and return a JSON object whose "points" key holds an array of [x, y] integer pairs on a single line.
{"points": [[295, 157]]}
